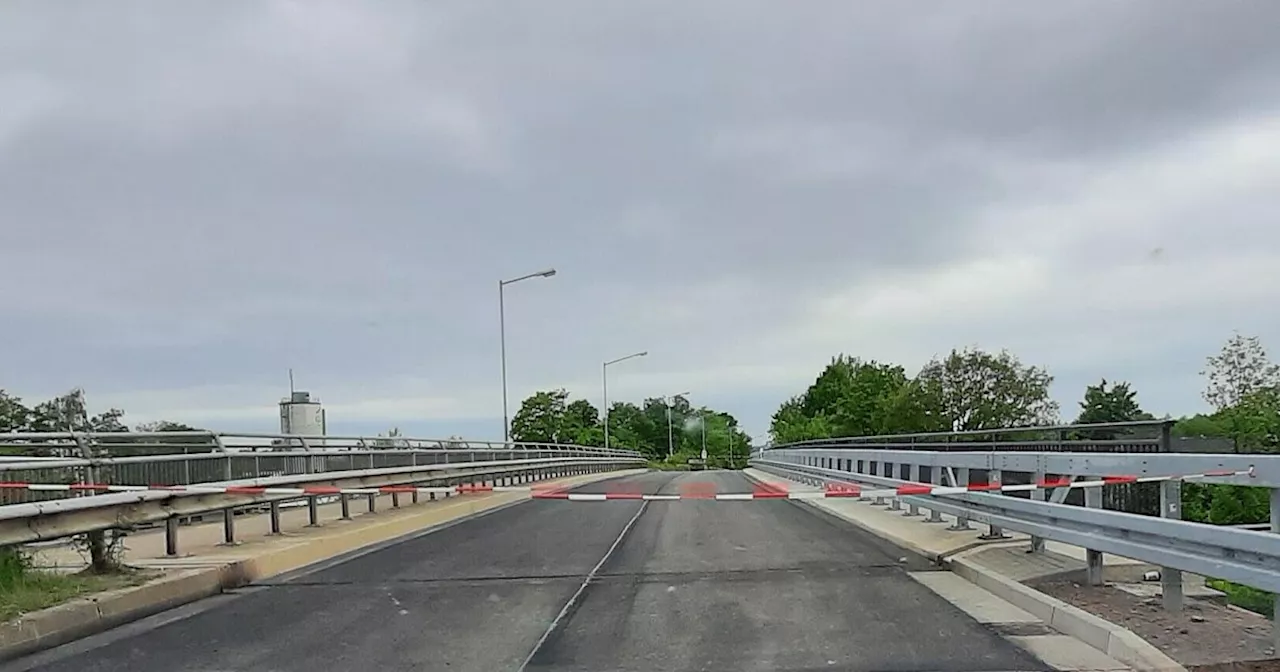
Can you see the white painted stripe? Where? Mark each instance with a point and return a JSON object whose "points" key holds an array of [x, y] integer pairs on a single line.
{"points": [[586, 497], [661, 498], [48, 486], [736, 496]]}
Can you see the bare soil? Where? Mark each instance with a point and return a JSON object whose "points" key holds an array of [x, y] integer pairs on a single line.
{"points": [[1204, 636]]}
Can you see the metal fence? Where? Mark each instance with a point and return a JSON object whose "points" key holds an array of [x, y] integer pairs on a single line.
{"points": [[1144, 436], [187, 458]]}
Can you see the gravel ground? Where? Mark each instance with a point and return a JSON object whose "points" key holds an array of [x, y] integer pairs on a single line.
{"points": [[1205, 636]]}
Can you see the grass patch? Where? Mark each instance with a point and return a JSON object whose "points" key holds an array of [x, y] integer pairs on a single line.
{"points": [[24, 589], [1258, 601]]}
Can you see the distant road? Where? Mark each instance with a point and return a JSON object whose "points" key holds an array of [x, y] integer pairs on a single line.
{"points": [[688, 585]]}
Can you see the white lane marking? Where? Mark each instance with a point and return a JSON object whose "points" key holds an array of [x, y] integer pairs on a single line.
{"points": [[577, 595]]}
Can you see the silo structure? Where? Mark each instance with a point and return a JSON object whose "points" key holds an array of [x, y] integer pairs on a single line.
{"points": [[302, 414]]}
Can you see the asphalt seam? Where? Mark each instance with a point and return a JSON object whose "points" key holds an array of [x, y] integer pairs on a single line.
{"points": [[575, 599]]}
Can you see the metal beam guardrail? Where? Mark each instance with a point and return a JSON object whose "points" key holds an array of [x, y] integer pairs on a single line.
{"points": [[186, 458], [49, 486], [1247, 556]]}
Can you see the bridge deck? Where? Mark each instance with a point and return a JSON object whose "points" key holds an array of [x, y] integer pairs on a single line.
{"points": [[675, 586]]}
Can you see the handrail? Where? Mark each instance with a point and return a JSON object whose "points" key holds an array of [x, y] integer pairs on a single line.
{"points": [[1244, 556]]}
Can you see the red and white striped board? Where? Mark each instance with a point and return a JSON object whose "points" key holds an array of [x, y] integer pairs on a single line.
{"points": [[696, 490]]}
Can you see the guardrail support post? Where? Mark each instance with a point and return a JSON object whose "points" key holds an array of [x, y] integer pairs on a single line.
{"points": [[313, 511], [913, 475], [1275, 527], [395, 500], [935, 477], [345, 501], [994, 531], [1093, 559], [414, 497], [1170, 578], [171, 536], [275, 517], [373, 503], [229, 526], [1037, 495], [961, 481]]}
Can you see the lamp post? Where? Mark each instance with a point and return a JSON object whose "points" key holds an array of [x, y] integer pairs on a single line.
{"points": [[502, 328], [604, 377], [670, 433]]}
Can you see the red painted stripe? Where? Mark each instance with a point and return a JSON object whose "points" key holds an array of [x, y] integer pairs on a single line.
{"points": [[768, 491], [1220, 472], [842, 490], [1056, 482], [474, 487], [914, 489], [1119, 479], [244, 490], [14, 486], [979, 487]]}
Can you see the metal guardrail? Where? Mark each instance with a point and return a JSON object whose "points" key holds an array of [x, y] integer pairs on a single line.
{"points": [[252, 460], [1244, 556], [187, 458]]}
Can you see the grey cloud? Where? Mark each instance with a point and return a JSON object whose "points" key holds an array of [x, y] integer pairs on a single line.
{"points": [[208, 193]]}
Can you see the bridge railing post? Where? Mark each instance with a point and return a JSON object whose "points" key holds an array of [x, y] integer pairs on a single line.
{"points": [[1171, 507]]}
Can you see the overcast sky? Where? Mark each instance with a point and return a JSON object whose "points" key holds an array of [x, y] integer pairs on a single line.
{"points": [[196, 196]]}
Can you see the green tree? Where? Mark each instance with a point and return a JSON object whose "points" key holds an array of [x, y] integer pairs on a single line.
{"points": [[540, 417], [1101, 404], [581, 424], [1242, 386], [972, 390]]}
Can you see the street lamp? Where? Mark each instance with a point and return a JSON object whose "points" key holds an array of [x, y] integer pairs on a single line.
{"points": [[502, 328], [605, 385], [671, 444]]}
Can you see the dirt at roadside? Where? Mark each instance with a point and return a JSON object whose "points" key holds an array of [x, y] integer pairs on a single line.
{"points": [[1204, 637]]}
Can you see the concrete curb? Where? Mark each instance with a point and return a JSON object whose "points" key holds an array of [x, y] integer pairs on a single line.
{"points": [[1115, 641], [92, 614]]}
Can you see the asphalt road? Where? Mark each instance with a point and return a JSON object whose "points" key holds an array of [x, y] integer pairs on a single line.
{"points": [[555, 585]]}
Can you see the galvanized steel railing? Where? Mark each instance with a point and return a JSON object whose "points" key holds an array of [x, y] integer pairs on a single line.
{"points": [[187, 458]]}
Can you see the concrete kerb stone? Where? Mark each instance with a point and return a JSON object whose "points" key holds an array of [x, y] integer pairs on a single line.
{"points": [[1113, 640], [96, 613]]}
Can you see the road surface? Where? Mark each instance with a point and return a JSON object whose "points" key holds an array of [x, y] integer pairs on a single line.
{"points": [[765, 585]]}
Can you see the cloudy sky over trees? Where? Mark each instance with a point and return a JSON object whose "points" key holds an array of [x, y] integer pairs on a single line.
{"points": [[199, 195]]}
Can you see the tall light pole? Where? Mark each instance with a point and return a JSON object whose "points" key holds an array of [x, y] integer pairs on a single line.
{"points": [[671, 444], [502, 328], [604, 370]]}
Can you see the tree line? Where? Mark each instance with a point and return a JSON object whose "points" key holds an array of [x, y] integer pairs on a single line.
{"points": [[69, 413], [972, 389], [656, 427]]}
